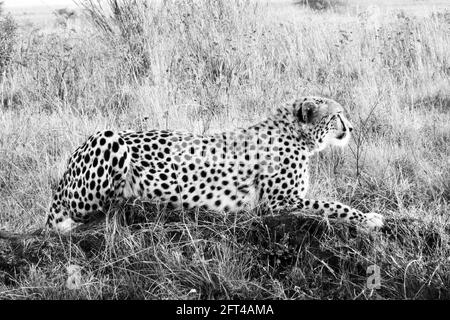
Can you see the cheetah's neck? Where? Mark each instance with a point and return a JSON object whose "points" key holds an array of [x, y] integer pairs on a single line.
{"points": [[284, 121]]}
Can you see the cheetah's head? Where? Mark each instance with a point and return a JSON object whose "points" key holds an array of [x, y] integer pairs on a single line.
{"points": [[324, 121]]}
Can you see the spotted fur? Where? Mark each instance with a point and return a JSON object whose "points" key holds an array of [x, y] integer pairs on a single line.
{"points": [[264, 164]]}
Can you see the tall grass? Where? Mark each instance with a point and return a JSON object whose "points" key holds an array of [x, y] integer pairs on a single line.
{"points": [[211, 66], [8, 30]]}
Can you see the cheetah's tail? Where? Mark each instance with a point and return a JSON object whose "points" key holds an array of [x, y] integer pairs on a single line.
{"points": [[6, 235]]}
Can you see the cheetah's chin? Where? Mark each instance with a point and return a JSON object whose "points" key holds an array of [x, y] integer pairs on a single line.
{"points": [[341, 140]]}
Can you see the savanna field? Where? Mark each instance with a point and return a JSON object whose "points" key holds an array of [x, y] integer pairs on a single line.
{"points": [[210, 66]]}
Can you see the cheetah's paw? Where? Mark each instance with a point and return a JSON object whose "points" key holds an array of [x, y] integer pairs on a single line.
{"points": [[373, 220]]}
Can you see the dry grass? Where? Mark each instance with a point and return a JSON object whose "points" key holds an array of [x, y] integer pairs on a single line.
{"points": [[212, 66]]}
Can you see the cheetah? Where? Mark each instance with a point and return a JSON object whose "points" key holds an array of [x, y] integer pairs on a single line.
{"points": [[265, 164]]}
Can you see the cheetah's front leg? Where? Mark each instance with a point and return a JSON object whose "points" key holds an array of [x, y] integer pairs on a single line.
{"points": [[337, 211]]}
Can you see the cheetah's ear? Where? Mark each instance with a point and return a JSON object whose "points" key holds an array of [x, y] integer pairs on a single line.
{"points": [[306, 111]]}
